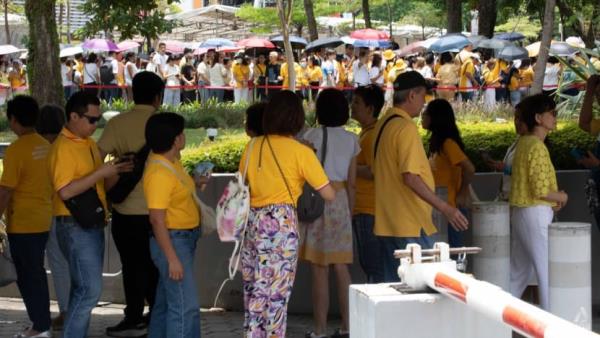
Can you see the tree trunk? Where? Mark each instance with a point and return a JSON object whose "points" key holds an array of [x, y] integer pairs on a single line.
{"points": [[454, 10], [61, 7], [6, 28], [284, 9], [366, 13], [313, 32], [540, 66], [68, 21], [576, 23], [43, 65], [487, 17]]}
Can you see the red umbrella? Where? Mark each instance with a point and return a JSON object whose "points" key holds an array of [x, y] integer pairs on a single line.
{"points": [[255, 43], [370, 34]]}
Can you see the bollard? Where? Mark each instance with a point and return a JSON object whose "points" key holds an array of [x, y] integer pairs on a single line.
{"points": [[570, 272], [440, 222], [491, 232]]}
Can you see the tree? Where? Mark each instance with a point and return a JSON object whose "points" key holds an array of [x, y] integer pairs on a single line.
{"points": [[580, 16], [43, 65], [6, 28], [366, 13], [530, 27], [313, 32], [129, 18], [487, 17], [424, 14], [540, 65], [454, 14], [284, 11]]}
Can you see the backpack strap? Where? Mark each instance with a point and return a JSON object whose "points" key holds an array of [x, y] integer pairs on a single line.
{"points": [[381, 131]]}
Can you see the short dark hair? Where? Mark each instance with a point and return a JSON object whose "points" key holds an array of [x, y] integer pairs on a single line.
{"points": [[78, 103], [51, 120], [161, 131], [445, 58], [91, 58], [24, 109], [146, 86], [254, 118], [372, 96], [332, 109], [284, 114], [531, 106]]}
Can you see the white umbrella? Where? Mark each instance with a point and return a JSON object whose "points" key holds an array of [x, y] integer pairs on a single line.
{"points": [[8, 49], [348, 40], [70, 51]]}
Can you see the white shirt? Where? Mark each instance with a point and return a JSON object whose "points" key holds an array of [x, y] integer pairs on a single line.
{"points": [[90, 73], [426, 72], [376, 74], [215, 74], [130, 66], [361, 74], [551, 76], [114, 64], [160, 61], [201, 70], [63, 73], [171, 72], [342, 147]]}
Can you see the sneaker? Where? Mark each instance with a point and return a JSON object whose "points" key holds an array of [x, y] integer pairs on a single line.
{"points": [[127, 329], [339, 334], [26, 334]]}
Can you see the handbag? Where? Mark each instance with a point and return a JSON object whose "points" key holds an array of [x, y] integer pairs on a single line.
{"points": [[233, 208], [86, 208], [310, 204], [8, 273], [127, 181]]}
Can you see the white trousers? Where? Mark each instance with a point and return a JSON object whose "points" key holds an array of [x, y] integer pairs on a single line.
{"points": [[489, 98], [240, 95], [529, 250]]}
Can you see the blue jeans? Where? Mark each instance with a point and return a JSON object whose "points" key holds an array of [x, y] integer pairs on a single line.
{"points": [[515, 97], [176, 312], [390, 244], [367, 245], [172, 96], [456, 239], [217, 94], [466, 96], [84, 249], [203, 92], [59, 268]]}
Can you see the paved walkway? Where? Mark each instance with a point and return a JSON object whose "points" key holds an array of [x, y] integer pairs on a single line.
{"points": [[13, 318]]}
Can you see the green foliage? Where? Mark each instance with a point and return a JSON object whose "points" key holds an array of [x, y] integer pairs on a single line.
{"points": [[575, 71], [424, 14], [225, 154], [528, 26]]}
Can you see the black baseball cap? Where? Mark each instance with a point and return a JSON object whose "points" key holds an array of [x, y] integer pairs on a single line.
{"points": [[410, 80]]}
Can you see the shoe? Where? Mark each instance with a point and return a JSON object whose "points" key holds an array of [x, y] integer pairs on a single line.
{"points": [[127, 329], [312, 334], [58, 322], [24, 334], [339, 334]]}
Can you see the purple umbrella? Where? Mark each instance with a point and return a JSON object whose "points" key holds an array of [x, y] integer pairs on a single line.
{"points": [[101, 45]]}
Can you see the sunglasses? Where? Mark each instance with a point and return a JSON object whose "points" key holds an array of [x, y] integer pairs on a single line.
{"points": [[92, 119]]}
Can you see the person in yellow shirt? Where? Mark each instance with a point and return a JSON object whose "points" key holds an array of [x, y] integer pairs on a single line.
{"points": [[241, 75], [25, 200], [491, 82], [366, 105], [170, 195], [286, 78], [447, 77], [76, 170], [260, 76], [500, 72], [534, 197], [404, 183], [526, 77], [277, 167], [17, 77], [513, 83], [467, 78], [451, 168], [314, 75]]}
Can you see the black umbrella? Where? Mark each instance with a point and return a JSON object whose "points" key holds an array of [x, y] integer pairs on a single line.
{"points": [[512, 52], [512, 36], [296, 41], [328, 42]]}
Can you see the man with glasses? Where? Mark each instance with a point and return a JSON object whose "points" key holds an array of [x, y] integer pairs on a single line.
{"points": [[75, 168]]}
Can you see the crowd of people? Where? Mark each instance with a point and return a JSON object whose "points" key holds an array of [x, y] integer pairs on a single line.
{"points": [[58, 187]]}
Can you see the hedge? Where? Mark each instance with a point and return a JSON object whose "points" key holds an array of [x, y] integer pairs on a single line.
{"points": [[494, 138]]}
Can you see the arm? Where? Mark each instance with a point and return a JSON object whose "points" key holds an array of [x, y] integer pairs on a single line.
{"points": [[454, 216], [5, 195], [161, 234], [351, 184], [463, 197], [327, 192], [80, 185], [585, 116]]}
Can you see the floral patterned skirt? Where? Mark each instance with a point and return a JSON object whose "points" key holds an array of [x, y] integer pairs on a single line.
{"points": [[328, 240]]}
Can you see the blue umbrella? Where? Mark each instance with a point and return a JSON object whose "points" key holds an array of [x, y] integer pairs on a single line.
{"points": [[449, 42], [512, 52], [216, 43], [371, 43], [512, 36], [296, 41]]}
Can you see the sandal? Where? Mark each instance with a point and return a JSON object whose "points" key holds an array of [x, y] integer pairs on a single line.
{"points": [[312, 334]]}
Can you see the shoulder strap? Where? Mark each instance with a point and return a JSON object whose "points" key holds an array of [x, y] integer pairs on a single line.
{"points": [[324, 146], [280, 171], [381, 131], [170, 167], [248, 159]]}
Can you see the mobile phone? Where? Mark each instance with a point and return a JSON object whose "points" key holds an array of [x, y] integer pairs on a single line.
{"points": [[578, 154], [204, 168]]}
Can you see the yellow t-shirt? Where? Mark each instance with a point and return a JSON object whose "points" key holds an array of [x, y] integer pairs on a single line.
{"points": [[315, 74], [533, 175], [365, 189], [448, 75], [399, 212], [446, 168], [71, 159], [25, 172], [298, 162], [526, 77], [259, 70], [342, 74], [286, 79], [241, 74], [466, 68], [123, 134], [501, 65], [17, 79], [164, 190]]}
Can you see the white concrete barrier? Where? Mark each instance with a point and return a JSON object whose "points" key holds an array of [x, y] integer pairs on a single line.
{"points": [[570, 272], [491, 232]]}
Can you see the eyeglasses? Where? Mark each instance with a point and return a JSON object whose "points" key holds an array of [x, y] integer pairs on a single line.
{"points": [[92, 119]]}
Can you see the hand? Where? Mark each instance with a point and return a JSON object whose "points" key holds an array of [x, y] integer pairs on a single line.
{"points": [[496, 165], [463, 198], [590, 161], [457, 220], [562, 198], [112, 168], [175, 270], [201, 180]]}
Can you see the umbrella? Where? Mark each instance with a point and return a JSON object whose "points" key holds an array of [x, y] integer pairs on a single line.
{"points": [[370, 34], [493, 43], [216, 43], [296, 41], [412, 48], [8, 49], [329, 42], [562, 49], [70, 51], [173, 46], [575, 41], [101, 45], [127, 44], [512, 52], [449, 42], [347, 40], [255, 43], [476, 39], [371, 43], [512, 36]]}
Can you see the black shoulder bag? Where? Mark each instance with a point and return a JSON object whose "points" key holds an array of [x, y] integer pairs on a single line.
{"points": [[86, 208], [381, 131], [127, 181], [310, 204]]}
